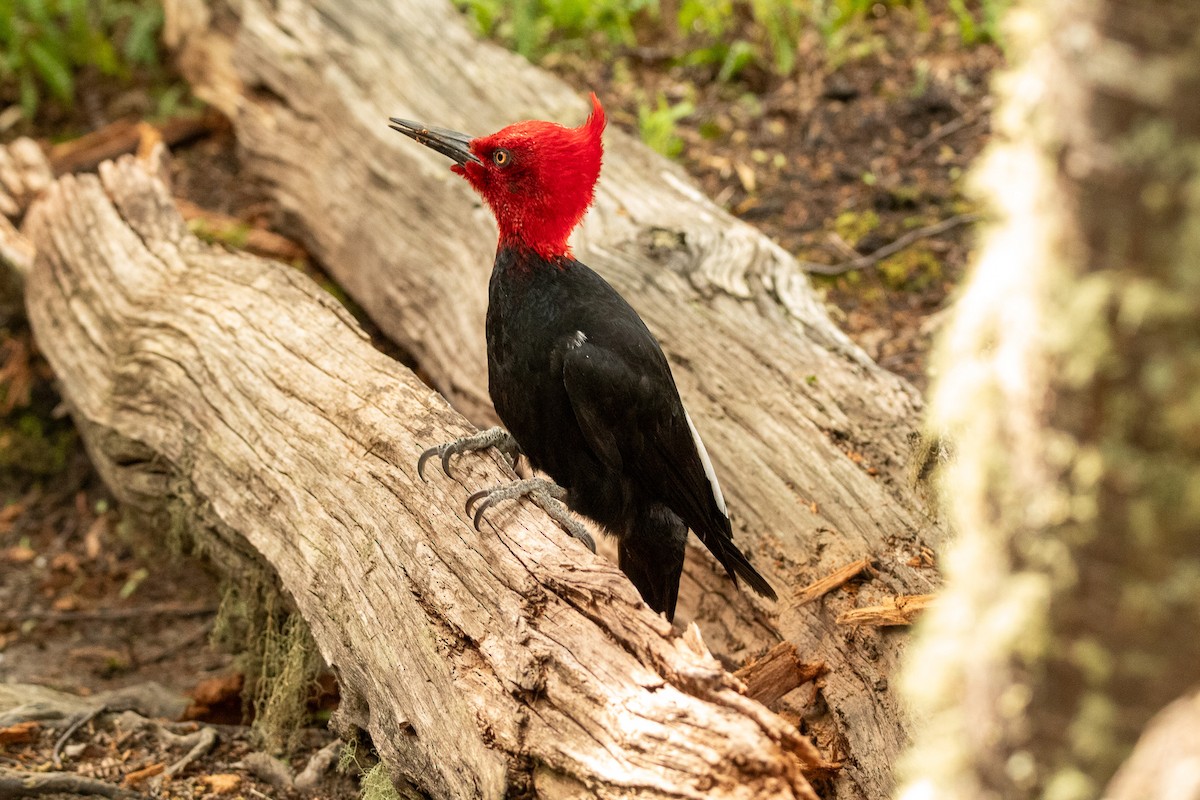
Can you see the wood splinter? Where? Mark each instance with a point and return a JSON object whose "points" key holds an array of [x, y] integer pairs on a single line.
{"points": [[898, 611], [836, 579]]}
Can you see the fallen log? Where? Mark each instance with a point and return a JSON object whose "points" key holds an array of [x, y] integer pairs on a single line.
{"points": [[24, 173], [810, 438], [231, 396]]}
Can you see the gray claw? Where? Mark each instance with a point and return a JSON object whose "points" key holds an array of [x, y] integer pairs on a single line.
{"points": [[546, 494], [493, 437], [425, 457]]}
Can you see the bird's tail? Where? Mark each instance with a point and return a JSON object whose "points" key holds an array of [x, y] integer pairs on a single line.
{"points": [[651, 554], [738, 566]]}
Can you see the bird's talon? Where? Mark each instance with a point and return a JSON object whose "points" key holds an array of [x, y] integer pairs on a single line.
{"points": [[492, 437], [484, 506], [424, 458], [475, 498], [448, 450]]}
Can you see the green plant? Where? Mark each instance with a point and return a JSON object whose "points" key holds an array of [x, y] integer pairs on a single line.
{"points": [[43, 43], [535, 27], [657, 124], [727, 35], [982, 28]]}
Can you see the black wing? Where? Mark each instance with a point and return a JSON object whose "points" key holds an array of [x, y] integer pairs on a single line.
{"points": [[629, 410]]}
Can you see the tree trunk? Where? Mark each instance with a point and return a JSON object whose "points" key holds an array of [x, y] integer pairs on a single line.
{"points": [[810, 438], [1070, 390], [231, 396]]}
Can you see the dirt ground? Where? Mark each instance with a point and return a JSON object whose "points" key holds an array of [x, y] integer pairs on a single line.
{"points": [[834, 163]]}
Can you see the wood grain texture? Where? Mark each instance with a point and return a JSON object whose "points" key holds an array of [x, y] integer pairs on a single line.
{"points": [[230, 394], [780, 395]]}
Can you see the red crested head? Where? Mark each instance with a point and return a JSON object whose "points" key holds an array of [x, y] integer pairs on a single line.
{"points": [[538, 177]]}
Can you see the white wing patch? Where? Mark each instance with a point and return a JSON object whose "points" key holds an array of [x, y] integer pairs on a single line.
{"points": [[708, 467], [576, 340]]}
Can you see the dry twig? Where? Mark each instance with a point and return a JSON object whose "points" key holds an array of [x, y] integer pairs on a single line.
{"points": [[254, 240], [318, 765], [76, 724], [903, 242], [88, 615]]}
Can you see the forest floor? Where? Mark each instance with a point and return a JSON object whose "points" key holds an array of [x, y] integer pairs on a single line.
{"points": [[834, 162]]}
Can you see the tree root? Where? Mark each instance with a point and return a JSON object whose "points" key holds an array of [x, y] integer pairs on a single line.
{"points": [[18, 785]]}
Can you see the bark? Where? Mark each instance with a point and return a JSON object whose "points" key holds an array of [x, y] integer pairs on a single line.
{"points": [[24, 174], [810, 438], [1070, 391], [229, 396]]}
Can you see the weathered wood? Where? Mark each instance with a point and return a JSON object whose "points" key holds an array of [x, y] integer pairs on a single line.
{"points": [[231, 395], [781, 396], [24, 174]]}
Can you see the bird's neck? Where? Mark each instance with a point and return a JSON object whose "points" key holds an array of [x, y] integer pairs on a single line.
{"points": [[516, 253], [542, 225], [515, 256]]}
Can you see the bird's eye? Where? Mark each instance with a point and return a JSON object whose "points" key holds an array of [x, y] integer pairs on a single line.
{"points": [[501, 158]]}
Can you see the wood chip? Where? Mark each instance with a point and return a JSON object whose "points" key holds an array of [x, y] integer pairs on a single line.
{"points": [[777, 672], [21, 733], [823, 586], [142, 775], [18, 554], [899, 611], [746, 177]]}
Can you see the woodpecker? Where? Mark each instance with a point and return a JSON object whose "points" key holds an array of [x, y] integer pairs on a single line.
{"points": [[580, 383]]}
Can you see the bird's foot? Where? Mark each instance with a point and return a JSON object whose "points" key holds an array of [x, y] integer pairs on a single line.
{"points": [[496, 437], [546, 494]]}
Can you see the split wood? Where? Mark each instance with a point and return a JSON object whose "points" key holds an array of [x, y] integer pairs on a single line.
{"points": [[777, 672]]}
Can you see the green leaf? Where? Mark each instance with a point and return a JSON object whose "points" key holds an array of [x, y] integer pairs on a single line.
{"points": [[103, 56], [53, 71], [133, 582], [141, 43], [8, 27], [741, 55]]}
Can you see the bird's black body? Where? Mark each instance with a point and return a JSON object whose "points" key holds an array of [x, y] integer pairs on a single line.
{"points": [[586, 392]]}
